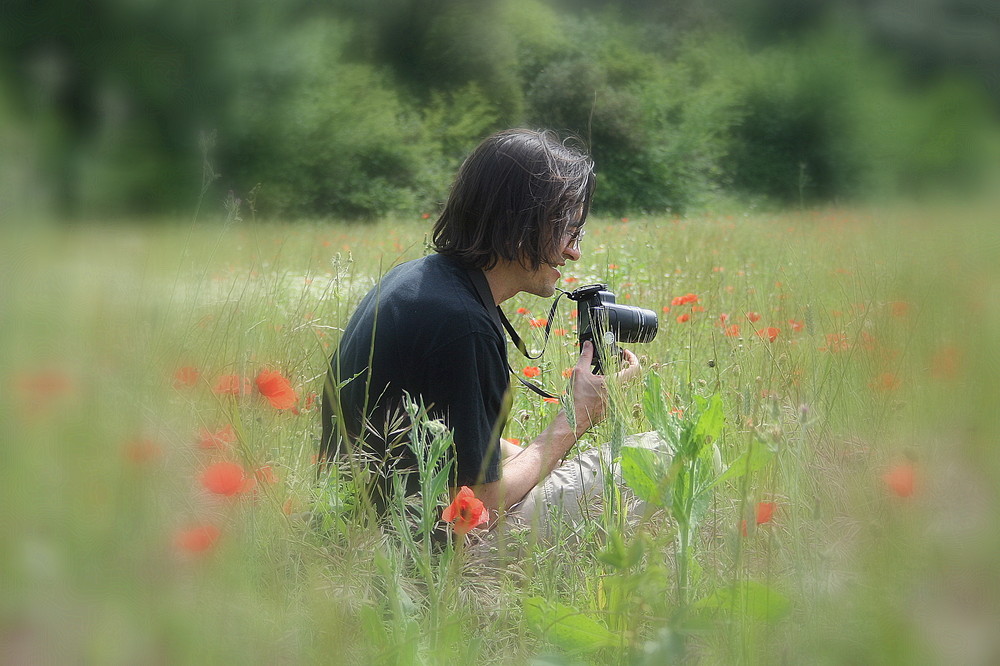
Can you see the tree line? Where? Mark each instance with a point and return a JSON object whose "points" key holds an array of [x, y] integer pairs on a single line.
{"points": [[355, 109]]}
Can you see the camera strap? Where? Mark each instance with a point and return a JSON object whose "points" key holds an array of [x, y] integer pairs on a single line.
{"points": [[500, 319]]}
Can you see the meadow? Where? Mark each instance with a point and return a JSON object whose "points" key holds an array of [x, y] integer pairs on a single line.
{"points": [[829, 376]]}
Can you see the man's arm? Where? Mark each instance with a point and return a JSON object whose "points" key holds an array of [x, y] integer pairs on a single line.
{"points": [[523, 470]]}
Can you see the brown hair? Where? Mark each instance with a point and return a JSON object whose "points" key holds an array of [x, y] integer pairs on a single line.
{"points": [[513, 198]]}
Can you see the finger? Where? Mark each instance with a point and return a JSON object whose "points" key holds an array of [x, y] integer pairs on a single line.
{"points": [[586, 354], [632, 367]]}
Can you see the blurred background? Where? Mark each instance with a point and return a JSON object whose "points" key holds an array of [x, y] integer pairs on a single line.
{"points": [[354, 109]]}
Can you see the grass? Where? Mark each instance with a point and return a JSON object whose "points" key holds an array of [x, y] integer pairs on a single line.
{"points": [[888, 369]]}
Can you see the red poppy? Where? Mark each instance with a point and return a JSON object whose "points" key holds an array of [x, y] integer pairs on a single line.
{"points": [[946, 362], [278, 390], [753, 317], [795, 325], [613, 267], [532, 371], [559, 331], [186, 376], [764, 512], [265, 474], [723, 318], [220, 439], [570, 280], [466, 511], [143, 450], [540, 322], [683, 318], [836, 342], [554, 401], [196, 539], [567, 373], [771, 333], [514, 440], [900, 479], [666, 308], [224, 478], [733, 331], [232, 385], [523, 311], [886, 381]]}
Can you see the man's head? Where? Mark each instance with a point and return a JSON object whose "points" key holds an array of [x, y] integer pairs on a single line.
{"points": [[516, 197]]}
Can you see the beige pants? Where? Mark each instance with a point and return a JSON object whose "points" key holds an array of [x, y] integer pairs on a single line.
{"points": [[572, 494]]}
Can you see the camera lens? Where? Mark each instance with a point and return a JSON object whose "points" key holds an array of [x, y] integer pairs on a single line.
{"points": [[631, 324]]}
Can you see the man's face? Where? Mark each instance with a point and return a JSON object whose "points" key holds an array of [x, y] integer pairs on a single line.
{"points": [[542, 281]]}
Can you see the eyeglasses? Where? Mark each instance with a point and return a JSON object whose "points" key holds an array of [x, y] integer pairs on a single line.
{"points": [[572, 239]]}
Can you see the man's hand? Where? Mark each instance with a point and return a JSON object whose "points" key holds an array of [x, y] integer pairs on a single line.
{"points": [[590, 392]]}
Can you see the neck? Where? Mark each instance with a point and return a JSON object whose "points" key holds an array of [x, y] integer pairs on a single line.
{"points": [[501, 283]]}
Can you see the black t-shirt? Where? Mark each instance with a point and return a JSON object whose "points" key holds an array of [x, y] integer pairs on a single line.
{"points": [[433, 338]]}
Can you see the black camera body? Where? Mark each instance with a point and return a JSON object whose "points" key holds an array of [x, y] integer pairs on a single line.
{"points": [[606, 323]]}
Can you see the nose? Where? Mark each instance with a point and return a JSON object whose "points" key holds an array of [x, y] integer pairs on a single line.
{"points": [[572, 252]]}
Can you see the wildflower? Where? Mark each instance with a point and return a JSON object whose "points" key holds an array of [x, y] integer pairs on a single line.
{"points": [[531, 371], [796, 325], [196, 539], [886, 381], [265, 474], [723, 318], [683, 318], [523, 311], [466, 511], [900, 479], [224, 478], [232, 385], [514, 440], [425, 216], [141, 451], [763, 513], [567, 373], [836, 342], [186, 376], [613, 267], [754, 317], [558, 331], [946, 363], [697, 308], [666, 308], [540, 322], [733, 331], [220, 439], [771, 333], [554, 401], [277, 389]]}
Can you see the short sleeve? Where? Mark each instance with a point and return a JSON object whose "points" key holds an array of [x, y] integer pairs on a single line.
{"points": [[465, 386]]}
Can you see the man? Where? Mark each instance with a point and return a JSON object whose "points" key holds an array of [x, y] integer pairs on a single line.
{"points": [[430, 329]]}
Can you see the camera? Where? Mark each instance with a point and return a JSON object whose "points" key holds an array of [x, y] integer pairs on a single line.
{"points": [[606, 323]]}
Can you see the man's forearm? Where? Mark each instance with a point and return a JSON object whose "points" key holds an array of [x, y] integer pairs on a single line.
{"points": [[524, 471]]}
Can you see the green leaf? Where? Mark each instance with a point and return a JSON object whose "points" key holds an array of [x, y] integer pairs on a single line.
{"points": [[567, 627], [617, 555], [750, 598], [646, 474], [711, 420], [751, 460], [657, 413]]}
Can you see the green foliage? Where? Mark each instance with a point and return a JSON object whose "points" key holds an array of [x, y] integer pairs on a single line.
{"points": [[567, 627]]}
